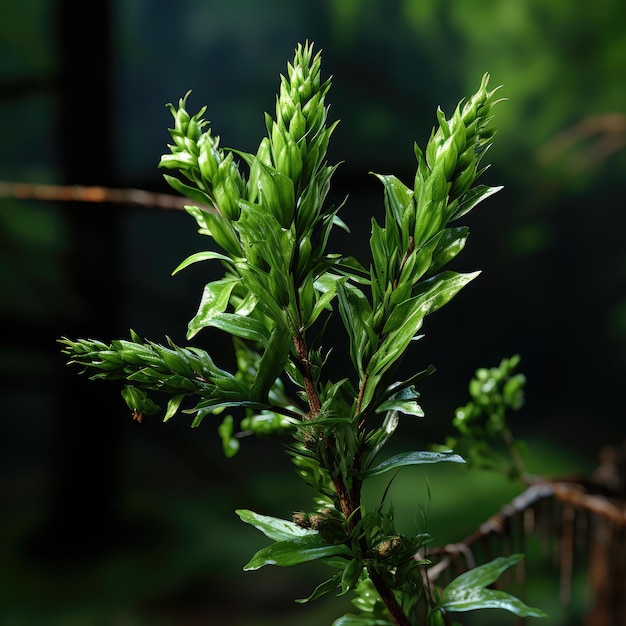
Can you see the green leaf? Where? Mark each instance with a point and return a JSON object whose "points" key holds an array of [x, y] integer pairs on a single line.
{"points": [[193, 193], [351, 574], [482, 575], [277, 193], [471, 198], [467, 592], [383, 257], [205, 255], [214, 301], [272, 364], [137, 401], [293, 544], [326, 287], [399, 196], [406, 320], [274, 527], [356, 315], [474, 599], [173, 405], [382, 436], [450, 242], [241, 326], [222, 231], [438, 291], [412, 458], [288, 553], [230, 445], [408, 407], [322, 589]]}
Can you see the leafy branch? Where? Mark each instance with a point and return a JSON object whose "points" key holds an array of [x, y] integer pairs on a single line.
{"points": [[280, 287]]}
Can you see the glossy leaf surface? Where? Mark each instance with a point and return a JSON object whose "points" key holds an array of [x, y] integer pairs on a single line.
{"points": [[468, 592], [413, 458]]}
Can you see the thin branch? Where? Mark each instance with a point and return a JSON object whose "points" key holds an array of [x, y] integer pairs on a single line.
{"points": [[82, 193]]}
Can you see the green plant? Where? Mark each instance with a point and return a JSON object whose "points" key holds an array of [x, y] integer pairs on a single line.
{"points": [[482, 422], [279, 289]]}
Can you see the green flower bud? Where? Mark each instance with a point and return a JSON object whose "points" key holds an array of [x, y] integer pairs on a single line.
{"points": [[264, 152], [279, 140], [178, 160], [306, 89], [459, 133], [181, 118], [285, 105], [462, 182], [276, 192], [209, 157], [226, 198], [314, 113], [297, 125], [228, 187], [448, 153], [138, 402], [289, 161]]}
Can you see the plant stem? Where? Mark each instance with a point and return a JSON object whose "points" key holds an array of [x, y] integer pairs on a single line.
{"points": [[349, 499], [351, 508], [309, 386], [389, 599]]}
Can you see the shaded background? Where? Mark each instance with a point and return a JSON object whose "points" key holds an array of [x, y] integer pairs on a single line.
{"points": [[108, 522]]}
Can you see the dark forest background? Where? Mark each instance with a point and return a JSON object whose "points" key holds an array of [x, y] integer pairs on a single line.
{"points": [[109, 522]]}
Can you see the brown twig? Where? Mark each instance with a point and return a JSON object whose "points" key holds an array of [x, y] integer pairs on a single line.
{"points": [[82, 193]]}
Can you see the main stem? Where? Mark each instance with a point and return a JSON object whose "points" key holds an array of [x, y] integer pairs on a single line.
{"points": [[349, 496]]}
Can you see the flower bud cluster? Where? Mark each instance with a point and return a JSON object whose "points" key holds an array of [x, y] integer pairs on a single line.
{"points": [[146, 365], [459, 143], [388, 547], [299, 137], [196, 154], [275, 222], [327, 521], [494, 391], [450, 164]]}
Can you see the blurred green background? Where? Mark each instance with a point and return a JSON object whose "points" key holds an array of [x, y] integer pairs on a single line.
{"points": [[108, 522]]}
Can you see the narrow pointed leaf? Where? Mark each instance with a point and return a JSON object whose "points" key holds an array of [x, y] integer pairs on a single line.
{"points": [[472, 198], [412, 458], [205, 255], [173, 405], [322, 589], [398, 195], [193, 193]]}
